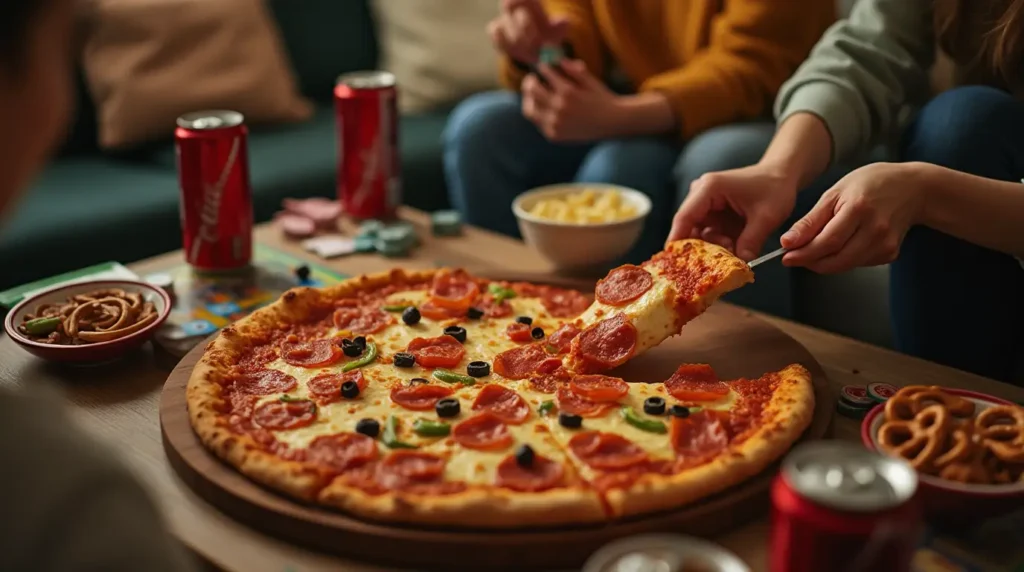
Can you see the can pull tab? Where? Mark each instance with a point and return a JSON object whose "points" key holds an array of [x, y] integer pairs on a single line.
{"points": [[840, 477]]}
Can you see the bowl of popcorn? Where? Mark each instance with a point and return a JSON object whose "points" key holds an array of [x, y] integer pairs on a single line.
{"points": [[578, 226]]}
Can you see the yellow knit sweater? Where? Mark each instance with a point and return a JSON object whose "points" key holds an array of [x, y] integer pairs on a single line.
{"points": [[718, 61]]}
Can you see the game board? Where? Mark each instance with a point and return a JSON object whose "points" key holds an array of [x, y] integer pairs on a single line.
{"points": [[206, 303]]}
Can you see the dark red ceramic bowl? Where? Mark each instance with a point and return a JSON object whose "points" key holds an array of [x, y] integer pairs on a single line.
{"points": [[950, 499], [87, 353]]}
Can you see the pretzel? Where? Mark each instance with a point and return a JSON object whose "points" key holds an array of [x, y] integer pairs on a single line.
{"points": [[959, 446], [1001, 430], [920, 440], [968, 471]]}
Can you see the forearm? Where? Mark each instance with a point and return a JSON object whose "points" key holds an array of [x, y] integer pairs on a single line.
{"points": [[982, 211], [801, 149], [642, 114]]}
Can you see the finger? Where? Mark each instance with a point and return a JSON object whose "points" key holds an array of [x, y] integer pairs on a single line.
{"points": [[808, 227], [529, 32], [830, 240], [556, 80], [751, 239], [693, 210], [577, 71], [532, 10], [716, 236], [534, 91], [498, 37], [856, 252]]}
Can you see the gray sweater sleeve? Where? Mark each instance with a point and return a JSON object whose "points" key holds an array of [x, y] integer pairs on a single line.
{"points": [[863, 71], [68, 503]]}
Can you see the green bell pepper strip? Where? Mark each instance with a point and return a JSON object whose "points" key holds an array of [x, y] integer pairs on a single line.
{"points": [[428, 428], [500, 293], [395, 307], [546, 407], [390, 435], [452, 377], [649, 425], [41, 326], [696, 409], [366, 359]]}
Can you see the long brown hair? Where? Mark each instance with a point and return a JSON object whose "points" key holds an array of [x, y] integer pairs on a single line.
{"points": [[985, 38]]}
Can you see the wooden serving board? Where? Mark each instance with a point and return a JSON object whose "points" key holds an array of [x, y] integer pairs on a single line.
{"points": [[736, 343]]}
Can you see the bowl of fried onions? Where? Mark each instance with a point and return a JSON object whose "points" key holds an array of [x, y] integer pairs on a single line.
{"points": [[88, 322]]}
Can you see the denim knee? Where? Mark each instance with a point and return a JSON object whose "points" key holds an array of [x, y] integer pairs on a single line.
{"points": [[965, 129], [481, 122], [720, 149]]}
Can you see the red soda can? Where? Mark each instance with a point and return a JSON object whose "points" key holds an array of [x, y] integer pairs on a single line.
{"points": [[216, 199], [369, 177], [838, 507]]}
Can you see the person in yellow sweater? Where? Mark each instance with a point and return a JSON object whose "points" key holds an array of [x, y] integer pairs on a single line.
{"points": [[649, 93]]}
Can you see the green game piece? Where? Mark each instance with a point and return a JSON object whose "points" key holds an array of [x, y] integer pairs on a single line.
{"points": [[446, 223], [370, 228], [365, 244], [408, 230], [551, 54]]}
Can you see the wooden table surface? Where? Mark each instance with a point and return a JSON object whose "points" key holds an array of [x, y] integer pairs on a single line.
{"points": [[119, 403]]}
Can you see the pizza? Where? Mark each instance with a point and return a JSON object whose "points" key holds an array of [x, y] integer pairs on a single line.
{"points": [[438, 397]]}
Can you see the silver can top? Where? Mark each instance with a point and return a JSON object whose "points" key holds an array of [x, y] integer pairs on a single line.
{"points": [[846, 476], [663, 553], [213, 119], [367, 80]]}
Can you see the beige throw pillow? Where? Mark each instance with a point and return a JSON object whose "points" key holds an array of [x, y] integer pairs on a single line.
{"points": [[149, 61], [438, 49]]}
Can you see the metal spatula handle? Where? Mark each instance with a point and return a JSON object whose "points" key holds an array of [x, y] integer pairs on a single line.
{"points": [[767, 257]]}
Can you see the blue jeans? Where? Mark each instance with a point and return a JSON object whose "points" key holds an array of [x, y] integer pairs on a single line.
{"points": [[492, 154], [954, 302]]}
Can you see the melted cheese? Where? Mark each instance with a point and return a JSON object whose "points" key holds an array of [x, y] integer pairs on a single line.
{"points": [[652, 314]]}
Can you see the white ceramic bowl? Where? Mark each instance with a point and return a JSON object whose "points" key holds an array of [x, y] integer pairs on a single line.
{"points": [[87, 353], [575, 246]]}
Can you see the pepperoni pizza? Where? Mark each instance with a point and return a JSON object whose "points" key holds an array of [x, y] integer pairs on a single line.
{"points": [[438, 397]]}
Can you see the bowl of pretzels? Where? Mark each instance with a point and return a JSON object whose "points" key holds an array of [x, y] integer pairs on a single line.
{"points": [[88, 322], [967, 447]]}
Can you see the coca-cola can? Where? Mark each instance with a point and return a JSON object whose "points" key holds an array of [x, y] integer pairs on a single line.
{"points": [[216, 199], [839, 507], [663, 553], [369, 177]]}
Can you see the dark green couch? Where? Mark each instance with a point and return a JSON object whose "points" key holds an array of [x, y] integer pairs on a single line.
{"points": [[88, 207]]}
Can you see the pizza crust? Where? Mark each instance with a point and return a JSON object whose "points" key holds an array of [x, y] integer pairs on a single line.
{"points": [[790, 410]]}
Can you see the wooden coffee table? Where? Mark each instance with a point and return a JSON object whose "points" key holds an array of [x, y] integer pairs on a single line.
{"points": [[119, 403]]}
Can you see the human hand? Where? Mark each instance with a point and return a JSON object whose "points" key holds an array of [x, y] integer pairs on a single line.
{"points": [[573, 106], [736, 209], [523, 27], [861, 221]]}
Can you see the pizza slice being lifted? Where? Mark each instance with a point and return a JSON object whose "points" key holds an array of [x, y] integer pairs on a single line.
{"points": [[638, 307]]}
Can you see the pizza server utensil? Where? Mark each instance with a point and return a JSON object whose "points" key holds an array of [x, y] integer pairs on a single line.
{"points": [[766, 257]]}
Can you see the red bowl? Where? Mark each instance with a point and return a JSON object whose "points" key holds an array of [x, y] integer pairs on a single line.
{"points": [[950, 499], [87, 353]]}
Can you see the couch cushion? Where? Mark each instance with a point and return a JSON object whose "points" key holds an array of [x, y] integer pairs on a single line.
{"points": [[87, 210], [326, 38]]}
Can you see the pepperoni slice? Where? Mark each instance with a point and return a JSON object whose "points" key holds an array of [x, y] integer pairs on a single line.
{"points": [[492, 310], [434, 312], [342, 451], [484, 432], [623, 285], [315, 353], [503, 403], [606, 344], [455, 289], [696, 382], [442, 351], [702, 434], [541, 475], [606, 451], [518, 332], [521, 362], [569, 402], [562, 338], [544, 383], [326, 387], [265, 382], [413, 465], [419, 397], [600, 388], [564, 303], [362, 320], [280, 415]]}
